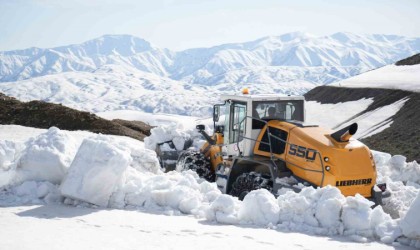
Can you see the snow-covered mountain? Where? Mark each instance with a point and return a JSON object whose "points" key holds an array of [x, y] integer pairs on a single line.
{"points": [[115, 87], [124, 72], [269, 59]]}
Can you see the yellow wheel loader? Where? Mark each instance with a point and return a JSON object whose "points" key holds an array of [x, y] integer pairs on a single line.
{"points": [[264, 143]]}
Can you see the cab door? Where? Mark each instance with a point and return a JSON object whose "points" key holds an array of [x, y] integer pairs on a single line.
{"points": [[235, 126]]}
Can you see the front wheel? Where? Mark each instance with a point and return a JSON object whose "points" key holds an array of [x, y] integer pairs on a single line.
{"points": [[247, 182], [197, 162]]}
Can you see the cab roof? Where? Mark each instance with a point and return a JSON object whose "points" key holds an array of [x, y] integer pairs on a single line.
{"points": [[262, 97]]}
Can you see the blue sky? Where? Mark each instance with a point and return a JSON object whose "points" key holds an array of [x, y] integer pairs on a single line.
{"points": [[180, 24]]}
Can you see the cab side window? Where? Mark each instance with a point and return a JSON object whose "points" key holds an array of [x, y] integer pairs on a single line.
{"points": [[238, 124]]}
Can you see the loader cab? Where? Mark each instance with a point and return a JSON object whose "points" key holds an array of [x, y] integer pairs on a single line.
{"points": [[245, 116]]}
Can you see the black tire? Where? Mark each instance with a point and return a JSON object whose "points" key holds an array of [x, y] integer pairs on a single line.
{"points": [[197, 162], [247, 182]]}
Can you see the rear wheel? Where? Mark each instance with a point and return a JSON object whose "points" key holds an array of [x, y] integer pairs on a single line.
{"points": [[247, 182], [197, 162]]}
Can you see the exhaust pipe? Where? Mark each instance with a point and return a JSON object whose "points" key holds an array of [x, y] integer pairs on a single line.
{"points": [[344, 135]]}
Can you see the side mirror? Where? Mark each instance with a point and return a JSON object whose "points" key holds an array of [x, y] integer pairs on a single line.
{"points": [[200, 127], [216, 113], [220, 129]]}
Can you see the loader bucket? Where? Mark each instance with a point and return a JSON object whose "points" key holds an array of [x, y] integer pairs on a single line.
{"points": [[168, 154]]}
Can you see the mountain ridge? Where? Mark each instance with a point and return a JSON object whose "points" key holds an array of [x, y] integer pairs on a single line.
{"points": [[358, 53]]}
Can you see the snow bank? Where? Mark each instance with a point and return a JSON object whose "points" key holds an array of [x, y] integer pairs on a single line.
{"points": [[117, 173], [95, 170], [326, 211]]}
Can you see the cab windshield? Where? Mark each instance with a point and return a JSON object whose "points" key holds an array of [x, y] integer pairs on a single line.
{"points": [[278, 110]]}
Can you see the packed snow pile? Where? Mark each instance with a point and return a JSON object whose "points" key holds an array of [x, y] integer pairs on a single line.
{"points": [[9, 154], [112, 172], [88, 166], [44, 158], [410, 224], [166, 133], [47, 157], [402, 179], [182, 135], [259, 207], [396, 168]]}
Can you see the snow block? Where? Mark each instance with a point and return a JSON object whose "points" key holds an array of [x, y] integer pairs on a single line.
{"points": [[96, 170]]}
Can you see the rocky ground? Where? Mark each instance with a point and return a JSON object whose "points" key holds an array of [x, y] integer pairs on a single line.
{"points": [[412, 60]]}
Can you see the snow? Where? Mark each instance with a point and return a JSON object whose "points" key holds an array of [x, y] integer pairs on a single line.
{"points": [[387, 77], [114, 172], [19, 133], [63, 227]]}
